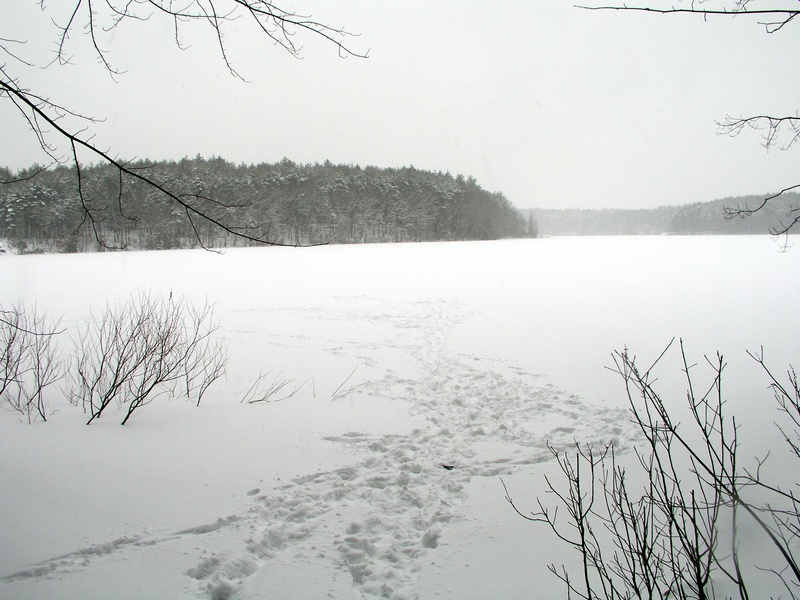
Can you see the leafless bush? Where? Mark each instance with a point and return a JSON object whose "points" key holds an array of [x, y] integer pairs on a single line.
{"points": [[29, 361], [679, 534], [145, 348]]}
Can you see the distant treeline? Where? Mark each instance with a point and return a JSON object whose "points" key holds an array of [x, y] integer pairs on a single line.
{"points": [[284, 202], [687, 219]]}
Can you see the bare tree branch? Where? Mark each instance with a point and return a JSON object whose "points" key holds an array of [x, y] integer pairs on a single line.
{"points": [[773, 125], [94, 19], [784, 16]]}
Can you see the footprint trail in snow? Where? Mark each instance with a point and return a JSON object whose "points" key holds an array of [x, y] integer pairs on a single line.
{"points": [[375, 520], [380, 516]]}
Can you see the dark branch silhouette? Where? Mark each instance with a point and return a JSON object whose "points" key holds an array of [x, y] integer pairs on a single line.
{"points": [[783, 16], [55, 126], [774, 126], [665, 522]]}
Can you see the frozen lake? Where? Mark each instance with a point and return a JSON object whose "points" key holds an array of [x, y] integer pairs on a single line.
{"points": [[405, 358]]}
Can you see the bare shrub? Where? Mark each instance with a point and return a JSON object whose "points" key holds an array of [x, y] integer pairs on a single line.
{"points": [[677, 531], [143, 349], [29, 361]]}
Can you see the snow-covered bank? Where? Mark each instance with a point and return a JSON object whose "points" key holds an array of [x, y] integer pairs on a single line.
{"points": [[469, 355]]}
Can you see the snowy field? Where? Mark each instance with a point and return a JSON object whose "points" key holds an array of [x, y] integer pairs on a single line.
{"points": [[471, 355]]}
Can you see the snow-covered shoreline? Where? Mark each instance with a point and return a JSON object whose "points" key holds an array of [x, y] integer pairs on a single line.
{"points": [[470, 355]]}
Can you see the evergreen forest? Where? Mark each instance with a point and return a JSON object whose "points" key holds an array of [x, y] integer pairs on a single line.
{"points": [[281, 203]]}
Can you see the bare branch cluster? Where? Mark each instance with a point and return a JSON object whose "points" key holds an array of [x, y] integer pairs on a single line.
{"points": [[784, 226], [679, 534], [777, 17], [772, 126], [57, 127], [143, 349], [97, 19], [29, 361]]}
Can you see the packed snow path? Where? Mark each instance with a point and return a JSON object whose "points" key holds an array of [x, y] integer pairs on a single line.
{"points": [[376, 521]]}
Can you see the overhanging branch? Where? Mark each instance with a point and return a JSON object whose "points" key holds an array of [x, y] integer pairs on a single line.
{"points": [[783, 16], [33, 104]]}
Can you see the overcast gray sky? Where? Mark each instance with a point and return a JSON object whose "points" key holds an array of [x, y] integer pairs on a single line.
{"points": [[552, 105]]}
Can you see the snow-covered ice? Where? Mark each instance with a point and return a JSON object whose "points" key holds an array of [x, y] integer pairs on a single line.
{"points": [[406, 360]]}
